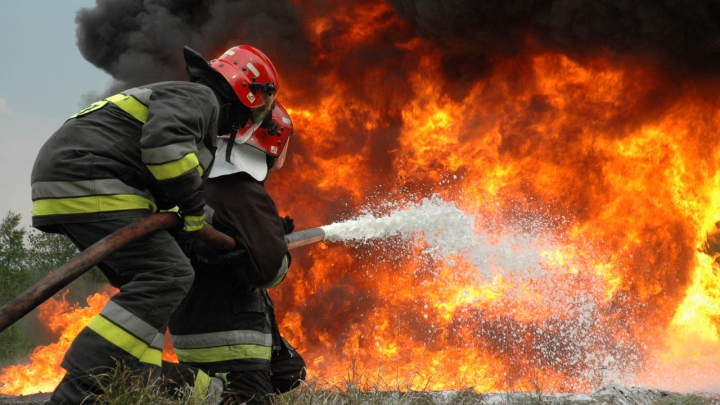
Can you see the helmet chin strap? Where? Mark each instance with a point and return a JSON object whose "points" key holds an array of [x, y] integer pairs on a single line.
{"points": [[231, 141], [239, 116]]}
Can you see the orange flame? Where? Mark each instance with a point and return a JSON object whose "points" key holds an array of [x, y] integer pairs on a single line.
{"points": [[612, 190], [590, 183], [43, 372]]}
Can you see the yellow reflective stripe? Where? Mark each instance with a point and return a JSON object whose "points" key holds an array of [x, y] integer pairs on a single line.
{"points": [[92, 107], [193, 223], [192, 228], [223, 353], [223, 377], [92, 204], [202, 383], [277, 281], [128, 104], [126, 341], [175, 168], [131, 106], [282, 272], [152, 356]]}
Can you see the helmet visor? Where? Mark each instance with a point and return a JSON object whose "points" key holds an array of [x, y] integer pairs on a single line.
{"points": [[280, 160], [266, 92], [260, 115], [267, 95]]}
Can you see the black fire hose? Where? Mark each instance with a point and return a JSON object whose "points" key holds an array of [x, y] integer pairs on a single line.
{"points": [[85, 260]]}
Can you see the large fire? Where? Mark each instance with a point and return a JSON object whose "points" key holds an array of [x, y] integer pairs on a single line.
{"points": [[43, 372], [596, 179]]}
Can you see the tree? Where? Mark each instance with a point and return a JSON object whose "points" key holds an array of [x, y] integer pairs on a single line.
{"points": [[48, 251], [25, 258], [14, 278]]}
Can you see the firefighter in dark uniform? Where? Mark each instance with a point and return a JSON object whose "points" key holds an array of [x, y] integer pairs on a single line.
{"points": [[121, 159], [226, 325]]}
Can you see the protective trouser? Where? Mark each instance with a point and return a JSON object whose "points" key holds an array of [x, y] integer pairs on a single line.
{"points": [[153, 275], [287, 367], [257, 387], [176, 377]]}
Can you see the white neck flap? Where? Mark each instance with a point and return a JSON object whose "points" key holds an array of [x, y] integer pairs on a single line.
{"points": [[244, 158]]}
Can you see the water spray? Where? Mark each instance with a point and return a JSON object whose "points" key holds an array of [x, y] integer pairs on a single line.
{"points": [[442, 223]]}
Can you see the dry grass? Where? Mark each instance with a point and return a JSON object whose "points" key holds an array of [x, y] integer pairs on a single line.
{"points": [[121, 387]]}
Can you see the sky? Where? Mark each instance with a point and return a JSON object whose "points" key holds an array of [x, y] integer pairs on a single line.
{"points": [[43, 80]]}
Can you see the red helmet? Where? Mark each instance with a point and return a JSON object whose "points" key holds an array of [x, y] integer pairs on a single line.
{"points": [[272, 140], [250, 73]]}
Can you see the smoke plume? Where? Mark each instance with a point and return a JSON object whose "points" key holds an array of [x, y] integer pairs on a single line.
{"points": [[681, 36], [141, 42]]}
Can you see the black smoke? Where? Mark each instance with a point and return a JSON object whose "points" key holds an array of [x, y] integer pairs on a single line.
{"points": [[139, 42], [681, 37]]}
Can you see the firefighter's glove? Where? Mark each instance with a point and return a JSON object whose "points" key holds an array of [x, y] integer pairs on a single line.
{"points": [[193, 215], [287, 224], [204, 252], [712, 242]]}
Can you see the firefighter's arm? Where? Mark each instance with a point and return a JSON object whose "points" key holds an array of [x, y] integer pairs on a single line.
{"points": [[203, 252], [240, 260], [281, 272], [245, 210], [269, 260], [288, 226], [266, 264], [179, 117]]}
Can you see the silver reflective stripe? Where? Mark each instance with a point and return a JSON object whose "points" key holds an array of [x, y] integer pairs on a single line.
{"points": [[205, 157], [62, 189], [193, 222], [215, 390], [228, 338], [209, 212], [168, 153], [126, 320], [142, 95], [158, 342]]}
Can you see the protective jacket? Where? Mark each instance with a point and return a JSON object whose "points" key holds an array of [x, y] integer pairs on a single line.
{"points": [[114, 162], [135, 152], [225, 323]]}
